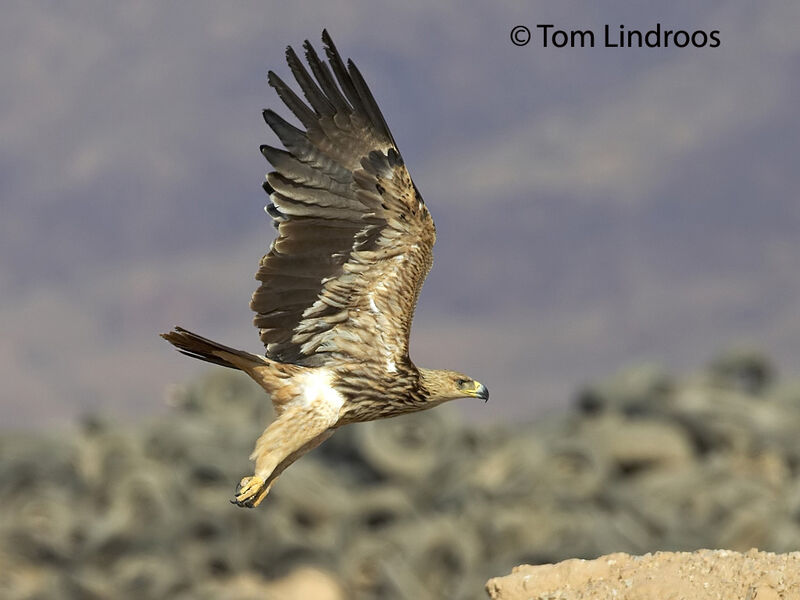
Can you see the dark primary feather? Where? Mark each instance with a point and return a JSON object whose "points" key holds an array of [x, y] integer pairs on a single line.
{"points": [[355, 240], [290, 99], [342, 76], [325, 79], [319, 102]]}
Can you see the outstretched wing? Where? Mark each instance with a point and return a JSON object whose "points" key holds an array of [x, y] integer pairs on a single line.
{"points": [[355, 240]]}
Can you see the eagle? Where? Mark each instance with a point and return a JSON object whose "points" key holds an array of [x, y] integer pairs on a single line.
{"points": [[340, 283]]}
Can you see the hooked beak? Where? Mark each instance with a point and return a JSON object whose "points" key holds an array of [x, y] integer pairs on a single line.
{"points": [[482, 392]]}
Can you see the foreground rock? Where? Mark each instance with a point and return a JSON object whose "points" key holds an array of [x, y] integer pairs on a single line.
{"points": [[701, 575]]}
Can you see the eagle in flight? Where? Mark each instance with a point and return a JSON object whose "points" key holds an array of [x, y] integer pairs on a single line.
{"points": [[340, 282]]}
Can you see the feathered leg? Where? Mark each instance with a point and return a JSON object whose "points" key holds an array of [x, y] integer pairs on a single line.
{"points": [[296, 431]]}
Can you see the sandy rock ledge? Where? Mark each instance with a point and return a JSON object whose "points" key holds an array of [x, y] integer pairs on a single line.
{"points": [[700, 575]]}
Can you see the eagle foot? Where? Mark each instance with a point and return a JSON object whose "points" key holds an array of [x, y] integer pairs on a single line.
{"points": [[250, 492]]}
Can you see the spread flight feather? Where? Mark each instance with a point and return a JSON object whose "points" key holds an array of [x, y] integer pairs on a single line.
{"points": [[345, 206]]}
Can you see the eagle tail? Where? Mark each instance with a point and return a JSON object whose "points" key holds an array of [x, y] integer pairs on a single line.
{"points": [[196, 346]]}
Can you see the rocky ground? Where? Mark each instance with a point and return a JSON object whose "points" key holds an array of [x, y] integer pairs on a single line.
{"points": [[701, 575], [415, 507]]}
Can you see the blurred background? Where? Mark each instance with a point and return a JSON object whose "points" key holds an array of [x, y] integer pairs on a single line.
{"points": [[609, 221], [595, 207]]}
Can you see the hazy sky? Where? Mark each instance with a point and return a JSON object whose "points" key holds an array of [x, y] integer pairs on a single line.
{"points": [[595, 207]]}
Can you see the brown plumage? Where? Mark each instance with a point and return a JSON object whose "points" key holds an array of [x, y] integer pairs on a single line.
{"points": [[340, 283]]}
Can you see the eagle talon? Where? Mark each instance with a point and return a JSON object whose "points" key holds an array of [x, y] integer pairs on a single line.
{"points": [[250, 492]]}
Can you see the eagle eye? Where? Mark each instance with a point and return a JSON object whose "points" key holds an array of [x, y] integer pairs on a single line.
{"points": [[462, 382]]}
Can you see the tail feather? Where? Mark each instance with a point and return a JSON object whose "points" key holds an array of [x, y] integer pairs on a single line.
{"points": [[197, 346]]}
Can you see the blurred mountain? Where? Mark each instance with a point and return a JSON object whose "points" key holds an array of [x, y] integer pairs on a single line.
{"points": [[594, 206]]}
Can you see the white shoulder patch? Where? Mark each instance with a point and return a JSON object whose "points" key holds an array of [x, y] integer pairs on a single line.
{"points": [[317, 391]]}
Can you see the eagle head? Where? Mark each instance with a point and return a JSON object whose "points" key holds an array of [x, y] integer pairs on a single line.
{"points": [[442, 385]]}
